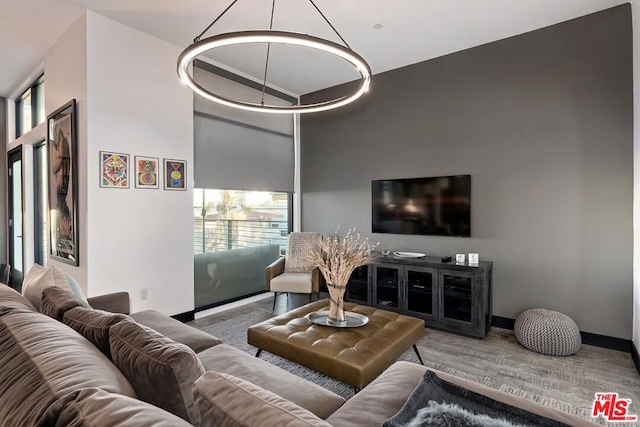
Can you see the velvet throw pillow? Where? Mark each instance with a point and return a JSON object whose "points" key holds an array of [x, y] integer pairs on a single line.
{"points": [[161, 371], [93, 324], [56, 301]]}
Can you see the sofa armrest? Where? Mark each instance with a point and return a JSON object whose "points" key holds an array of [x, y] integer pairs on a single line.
{"points": [[117, 302], [317, 281], [272, 270]]}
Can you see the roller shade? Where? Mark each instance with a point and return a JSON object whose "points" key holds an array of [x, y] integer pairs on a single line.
{"points": [[241, 150]]}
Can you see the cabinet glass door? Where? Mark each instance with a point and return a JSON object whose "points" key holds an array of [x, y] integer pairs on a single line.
{"points": [[457, 292], [421, 296], [387, 285], [358, 285]]}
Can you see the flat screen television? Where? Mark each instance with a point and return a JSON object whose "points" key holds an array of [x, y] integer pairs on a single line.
{"points": [[436, 206]]}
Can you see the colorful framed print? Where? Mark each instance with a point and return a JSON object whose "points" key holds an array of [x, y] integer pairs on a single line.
{"points": [[114, 170], [175, 174], [147, 172], [63, 184]]}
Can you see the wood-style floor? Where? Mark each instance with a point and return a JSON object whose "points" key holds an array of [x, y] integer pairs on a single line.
{"points": [[566, 383]]}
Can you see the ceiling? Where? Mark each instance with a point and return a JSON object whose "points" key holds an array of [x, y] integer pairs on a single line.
{"points": [[412, 31]]}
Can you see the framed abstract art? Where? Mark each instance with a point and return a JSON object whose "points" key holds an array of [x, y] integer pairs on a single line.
{"points": [[175, 174], [114, 170], [146, 173]]}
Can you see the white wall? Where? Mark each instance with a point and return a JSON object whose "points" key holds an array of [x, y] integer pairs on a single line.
{"points": [[66, 78], [138, 238]]}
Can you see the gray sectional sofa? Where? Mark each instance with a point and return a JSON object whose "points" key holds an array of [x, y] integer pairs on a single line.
{"points": [[98, 368]]}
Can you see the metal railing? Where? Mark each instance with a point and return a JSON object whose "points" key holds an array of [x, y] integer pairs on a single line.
{"points": [[214, 235]]}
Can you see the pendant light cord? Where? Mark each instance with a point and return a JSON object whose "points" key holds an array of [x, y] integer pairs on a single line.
{"points": [[215, 20], [266, 63], [332, 27]]}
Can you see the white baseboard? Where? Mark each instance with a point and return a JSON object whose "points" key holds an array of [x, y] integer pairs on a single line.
{"points": [[232, 305]]}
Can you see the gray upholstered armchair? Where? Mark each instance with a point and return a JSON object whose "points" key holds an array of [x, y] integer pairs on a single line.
{"points": [[292, 273]]}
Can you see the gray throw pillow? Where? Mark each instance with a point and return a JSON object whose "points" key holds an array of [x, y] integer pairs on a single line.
{"points": [[56, 301], [94, 325], [161, 371]]}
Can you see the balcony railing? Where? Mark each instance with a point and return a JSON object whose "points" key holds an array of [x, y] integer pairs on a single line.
{"points": [[214, 235]]}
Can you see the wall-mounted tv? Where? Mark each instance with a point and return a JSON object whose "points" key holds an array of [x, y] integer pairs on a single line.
{"points": [[437, 206]]}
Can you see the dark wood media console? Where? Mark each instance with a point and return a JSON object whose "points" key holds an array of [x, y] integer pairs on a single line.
{"points": [[448, 296]]}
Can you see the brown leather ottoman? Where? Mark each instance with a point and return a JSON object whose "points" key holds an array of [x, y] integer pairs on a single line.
{"points": [[355, 356]]}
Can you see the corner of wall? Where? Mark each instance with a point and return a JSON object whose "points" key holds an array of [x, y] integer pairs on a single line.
{"points": [[635, 14]]}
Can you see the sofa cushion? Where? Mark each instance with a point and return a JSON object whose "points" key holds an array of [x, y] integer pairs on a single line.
{"points": [[11, 298], [310, 396], [161, 371], [56, 301], [222, 401], [291, 282], [42, 361], [93, 324], [38, 278], [95, 407], [193, 338]]}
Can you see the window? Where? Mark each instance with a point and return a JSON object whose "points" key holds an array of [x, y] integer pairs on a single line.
{"points": [[30, 108], [236, 235], [40, 204]]}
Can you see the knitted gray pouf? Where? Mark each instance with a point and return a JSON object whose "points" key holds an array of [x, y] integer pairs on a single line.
{"points": [[548, 332]]}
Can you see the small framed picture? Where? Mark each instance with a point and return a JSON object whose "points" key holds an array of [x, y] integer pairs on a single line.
{"points": [[175, 174], [114, 170], [147, 172]]}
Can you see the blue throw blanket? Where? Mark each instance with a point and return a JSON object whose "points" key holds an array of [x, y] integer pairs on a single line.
{"points": [[435, 402]]}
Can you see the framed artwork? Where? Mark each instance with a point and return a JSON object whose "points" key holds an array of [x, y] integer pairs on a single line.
{"points": [[147, 172], [175, 174], [114, 170], [63, 184]]}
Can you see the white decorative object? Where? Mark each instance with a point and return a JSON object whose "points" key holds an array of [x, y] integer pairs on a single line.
{"points": [[460, 258], [409, 254], [474, 258]]}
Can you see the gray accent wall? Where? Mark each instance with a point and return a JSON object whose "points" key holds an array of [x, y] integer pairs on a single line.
{"points": [[543, 122]]}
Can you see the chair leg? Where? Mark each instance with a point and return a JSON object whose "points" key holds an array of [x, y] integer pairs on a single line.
{"points": [[275, 295]]}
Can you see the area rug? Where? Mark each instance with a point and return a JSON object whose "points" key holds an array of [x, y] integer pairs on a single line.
{"points": [[498, 362]]}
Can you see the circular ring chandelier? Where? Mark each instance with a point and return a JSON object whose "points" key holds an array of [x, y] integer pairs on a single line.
{"points": [[277, 37]]}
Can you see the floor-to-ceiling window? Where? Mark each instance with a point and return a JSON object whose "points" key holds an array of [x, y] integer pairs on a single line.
{"points": [[236, 234], [243, 173], [40, 203], [16, 253]]}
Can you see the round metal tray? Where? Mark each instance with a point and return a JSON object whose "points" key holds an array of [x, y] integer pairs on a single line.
{"points": [[354, 320]]}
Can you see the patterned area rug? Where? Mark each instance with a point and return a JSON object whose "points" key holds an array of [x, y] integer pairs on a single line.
{"points": [[564, 383]]}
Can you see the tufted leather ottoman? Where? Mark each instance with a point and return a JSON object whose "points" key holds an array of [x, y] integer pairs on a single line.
{"points": [[355, 356]]}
